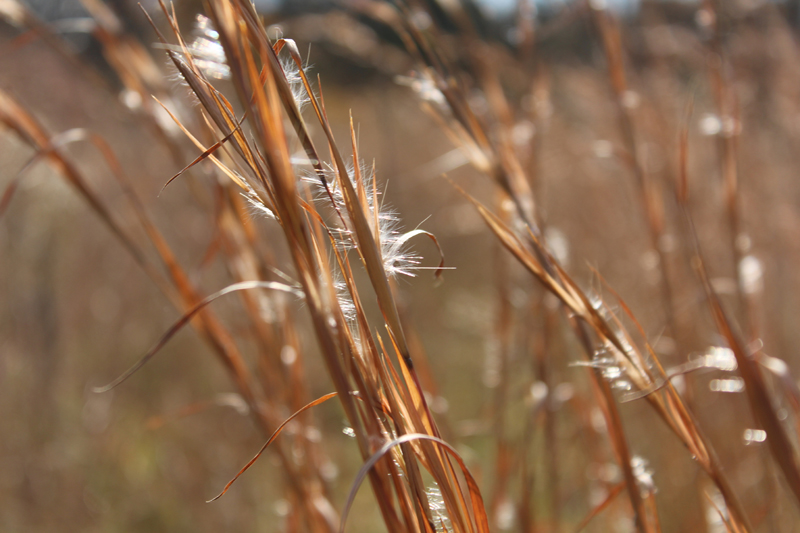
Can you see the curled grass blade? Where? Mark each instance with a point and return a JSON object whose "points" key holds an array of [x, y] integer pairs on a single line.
{"points": [[475, 495], [274, 436], [187, 317], [404, 238]]}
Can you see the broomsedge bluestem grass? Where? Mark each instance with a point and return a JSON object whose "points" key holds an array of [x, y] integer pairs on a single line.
{"points": [[587, 404]]}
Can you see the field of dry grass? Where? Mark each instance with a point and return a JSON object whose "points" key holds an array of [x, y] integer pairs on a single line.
{"points": [[557, 291]]}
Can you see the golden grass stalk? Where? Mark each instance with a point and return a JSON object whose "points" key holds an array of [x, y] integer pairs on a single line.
{"points": [[390, 405]]}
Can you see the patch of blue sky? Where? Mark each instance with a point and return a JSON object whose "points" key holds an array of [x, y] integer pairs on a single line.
{"points": [[504, 8]]}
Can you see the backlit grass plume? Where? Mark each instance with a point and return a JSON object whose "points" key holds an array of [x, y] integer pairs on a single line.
{"points": [[328, 236], [579, 397]]}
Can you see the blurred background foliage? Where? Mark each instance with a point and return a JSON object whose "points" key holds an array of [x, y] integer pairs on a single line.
{"points": [[77, 310]]}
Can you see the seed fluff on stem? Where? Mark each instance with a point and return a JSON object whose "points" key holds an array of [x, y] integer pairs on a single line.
{"points": [[398, 258]]}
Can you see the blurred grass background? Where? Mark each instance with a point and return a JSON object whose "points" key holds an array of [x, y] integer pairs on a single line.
{"points": [[77, 311]]}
